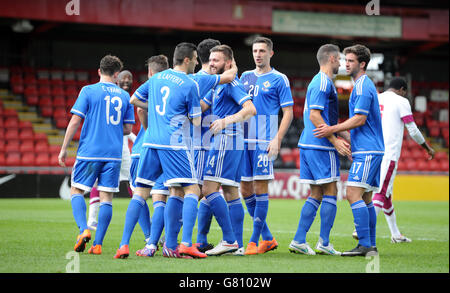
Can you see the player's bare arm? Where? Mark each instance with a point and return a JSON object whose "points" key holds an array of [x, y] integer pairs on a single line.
{"points": [[143, 117], [324, 130], [138, 103], [275, 144], [248, 110], [204, 106], [72, 128], [341, 146]]}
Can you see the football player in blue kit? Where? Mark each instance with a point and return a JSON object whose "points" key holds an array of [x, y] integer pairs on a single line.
{"points": [[367, 145], [108, 116], [270, 91]]}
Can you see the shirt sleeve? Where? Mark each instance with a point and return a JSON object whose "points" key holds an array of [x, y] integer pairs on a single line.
{"points": [[363, 99], [193, 102], [81, 105], [208, 98], [319, 95], [142, 92], [238, 92], [284, 92], [129, 113], [206, 83], [405, 112]]}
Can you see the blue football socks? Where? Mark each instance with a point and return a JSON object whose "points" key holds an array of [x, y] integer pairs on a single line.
{"points": [[173, 220], [189, 217], [260, 215], [204, 222], [372, 223], [361, 220], [327, 216], [220, 210], [145, 221], [237, 219], [157, 222], [79, 211], [307, 216], [104, 218], [131, 218]]}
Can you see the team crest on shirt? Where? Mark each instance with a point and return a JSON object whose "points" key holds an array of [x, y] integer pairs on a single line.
{"points": [[266, 84]]}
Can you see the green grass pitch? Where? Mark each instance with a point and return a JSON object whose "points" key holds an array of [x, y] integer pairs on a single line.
{"points": [[37, 236]]}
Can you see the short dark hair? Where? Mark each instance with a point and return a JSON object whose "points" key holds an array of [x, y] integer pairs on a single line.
{"points": [[225, 50], [264, 40], [183, 50], [398, 83], [362, 53], [325, 51], [204, 47], [158, 63], [109, 65]]}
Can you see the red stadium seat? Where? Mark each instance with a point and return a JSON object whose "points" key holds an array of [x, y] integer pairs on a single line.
{"points": [[12, 159], [54, 149], [417, 154], [411, 165], [443, 166], [27, 147], [2, 145], [402, 166], [32, 100], [30, 90], [43, 159], [59, 101], [423, 165], [44, 90], [70, 161], [2, 161], [12, 134], [77, 134], [61, 123], [40, 136], [27, 159], [30, 79], [46, 111], [25, 124], [60, 112], [10, 113], [434, 166], [286, 155], [53, 161], [58, 91], [45, 101], [41, 147], [405, 154], [26, 134], [440, 156], [11, 123]]}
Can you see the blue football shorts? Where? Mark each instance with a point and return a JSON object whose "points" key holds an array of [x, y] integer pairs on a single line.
{"points": [[177, 165], [365, 171], [256, 163], [319, 166], [85, 173], [201, 156], [224, 162]]}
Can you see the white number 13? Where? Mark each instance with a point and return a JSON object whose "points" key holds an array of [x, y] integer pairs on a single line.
{"points": [[118, 108]]}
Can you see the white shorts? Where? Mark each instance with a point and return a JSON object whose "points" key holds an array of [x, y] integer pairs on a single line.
{"points": [[387, 175], [126, 161]]}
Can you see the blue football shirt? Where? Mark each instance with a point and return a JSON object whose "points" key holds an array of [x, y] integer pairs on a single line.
{"points": [[321, 95], [226, 100], [270, 92], [173, 98], [368, 138], [206, 83], [105, 107]]}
